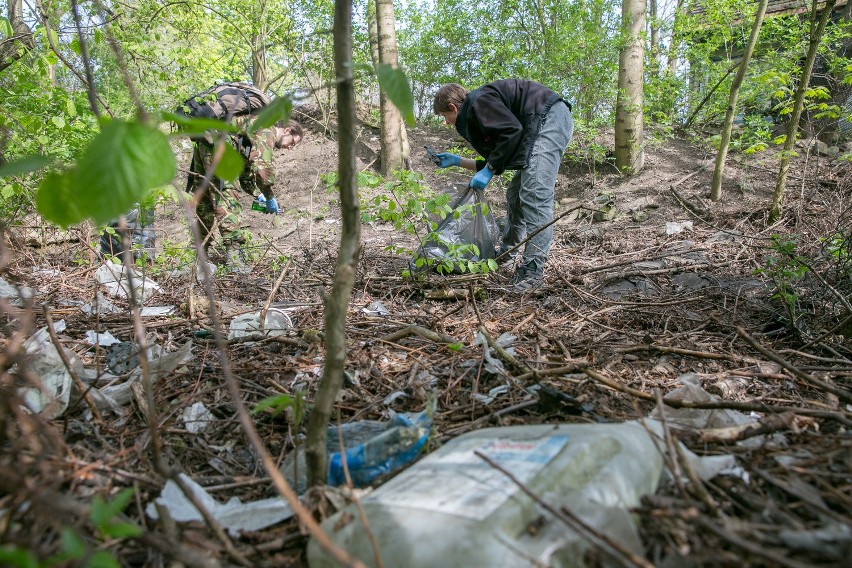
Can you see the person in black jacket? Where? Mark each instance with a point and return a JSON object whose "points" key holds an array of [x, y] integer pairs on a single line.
{"points": [[520, 125]]}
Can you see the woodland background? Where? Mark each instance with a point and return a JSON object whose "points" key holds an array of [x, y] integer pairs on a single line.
{"points": [[83, 136]]}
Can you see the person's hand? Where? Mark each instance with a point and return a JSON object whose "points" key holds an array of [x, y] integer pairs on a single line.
{"points": [[271, 205], [481, 179], [448, 159]]}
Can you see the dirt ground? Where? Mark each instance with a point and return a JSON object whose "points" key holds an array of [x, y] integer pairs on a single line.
{"points": [[663, 287]]}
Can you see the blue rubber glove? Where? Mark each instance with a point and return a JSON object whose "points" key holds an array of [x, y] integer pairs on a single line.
{"points": [[481, 179], [448, 160], [271, 205]]}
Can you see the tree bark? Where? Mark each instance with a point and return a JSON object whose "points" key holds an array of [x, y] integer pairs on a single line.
{"points": [[259, 68], [817, 30], [393, 134], [722, 155], [654, 44], [629, 151], [21, 41], [337, 302]]}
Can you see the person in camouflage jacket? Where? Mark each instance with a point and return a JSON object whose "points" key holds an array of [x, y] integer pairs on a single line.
{"points": [[220, 206]]}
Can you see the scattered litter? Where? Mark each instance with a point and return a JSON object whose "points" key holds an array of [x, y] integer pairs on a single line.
{"points": [[102, 338], [393, 397], [492, 363], [148, 311], [375, 309], [673, 228], [53, 395], [122, 357], [701, 418], [373, 449], [15, 295], [481, 517], [116, 280], [492, 394], [160, 365], [103, 305], [234, 515], [276, 322], [197, 417]]}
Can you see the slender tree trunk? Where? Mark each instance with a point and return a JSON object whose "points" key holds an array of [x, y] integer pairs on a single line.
{"points": [[394, 137], [817, 29], [654, 45], [259, 68], [337, 303], [722, 155], [674, 44], [629, 152]]}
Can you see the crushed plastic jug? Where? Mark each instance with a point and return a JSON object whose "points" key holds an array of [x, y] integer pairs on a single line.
{"points": [[453, 509]]}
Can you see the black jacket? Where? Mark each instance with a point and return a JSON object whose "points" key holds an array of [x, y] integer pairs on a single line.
{"points": [[501, 121]]}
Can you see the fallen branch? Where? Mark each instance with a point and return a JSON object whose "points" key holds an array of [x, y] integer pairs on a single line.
{"points": [[418, 330], [842, 394]]}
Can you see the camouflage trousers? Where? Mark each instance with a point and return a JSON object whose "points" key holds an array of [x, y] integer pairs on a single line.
{"points": [[218, 205]]}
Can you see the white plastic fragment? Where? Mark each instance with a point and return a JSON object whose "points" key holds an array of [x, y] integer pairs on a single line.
{"points": [[52, 399], [197, 417], [234, 515], [16, 296], [116, 280], [277, 322], [102, 338], [673, 228]]}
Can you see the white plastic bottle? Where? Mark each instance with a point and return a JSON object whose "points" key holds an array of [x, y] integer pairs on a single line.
{"points": [[454, 510]]}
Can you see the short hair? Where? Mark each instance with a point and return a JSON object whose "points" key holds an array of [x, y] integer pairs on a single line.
{"points": [[451, 93], [295, 127]]}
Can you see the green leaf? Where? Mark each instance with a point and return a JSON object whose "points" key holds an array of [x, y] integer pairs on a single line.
{"points": [[17, 557], [231, 165], [102, 559], [55, 200], [395, 85], [70, 108], [123, 162], [75, 46], [103, 511], [121, 530], [278, 109], [72, 545], [191, 126], [5, 27], [275, 403], [58, 121], [23, 165], [458, 346]]}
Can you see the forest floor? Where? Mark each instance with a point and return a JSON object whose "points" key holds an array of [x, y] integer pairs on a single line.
{"points": [[662, 293]]}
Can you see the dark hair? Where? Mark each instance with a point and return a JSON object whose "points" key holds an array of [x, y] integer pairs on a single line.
{"points": [[451, 93]]}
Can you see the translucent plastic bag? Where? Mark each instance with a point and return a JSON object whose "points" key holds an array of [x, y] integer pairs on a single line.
{"points": [[468, 233]]}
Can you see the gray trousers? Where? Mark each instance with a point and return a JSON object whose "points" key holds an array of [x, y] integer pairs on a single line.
{"points": [[529, 197]]}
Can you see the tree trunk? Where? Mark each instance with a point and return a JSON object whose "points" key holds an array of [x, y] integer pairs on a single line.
{"points": [[817, 29], [337, 303], [393, 135], [629, 152], [721, 156], [259, 68], [654, 45], [674, 44], [22, 36]]}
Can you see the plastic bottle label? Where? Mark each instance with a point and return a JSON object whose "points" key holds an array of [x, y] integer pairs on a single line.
{"points": [[461, 483]]}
